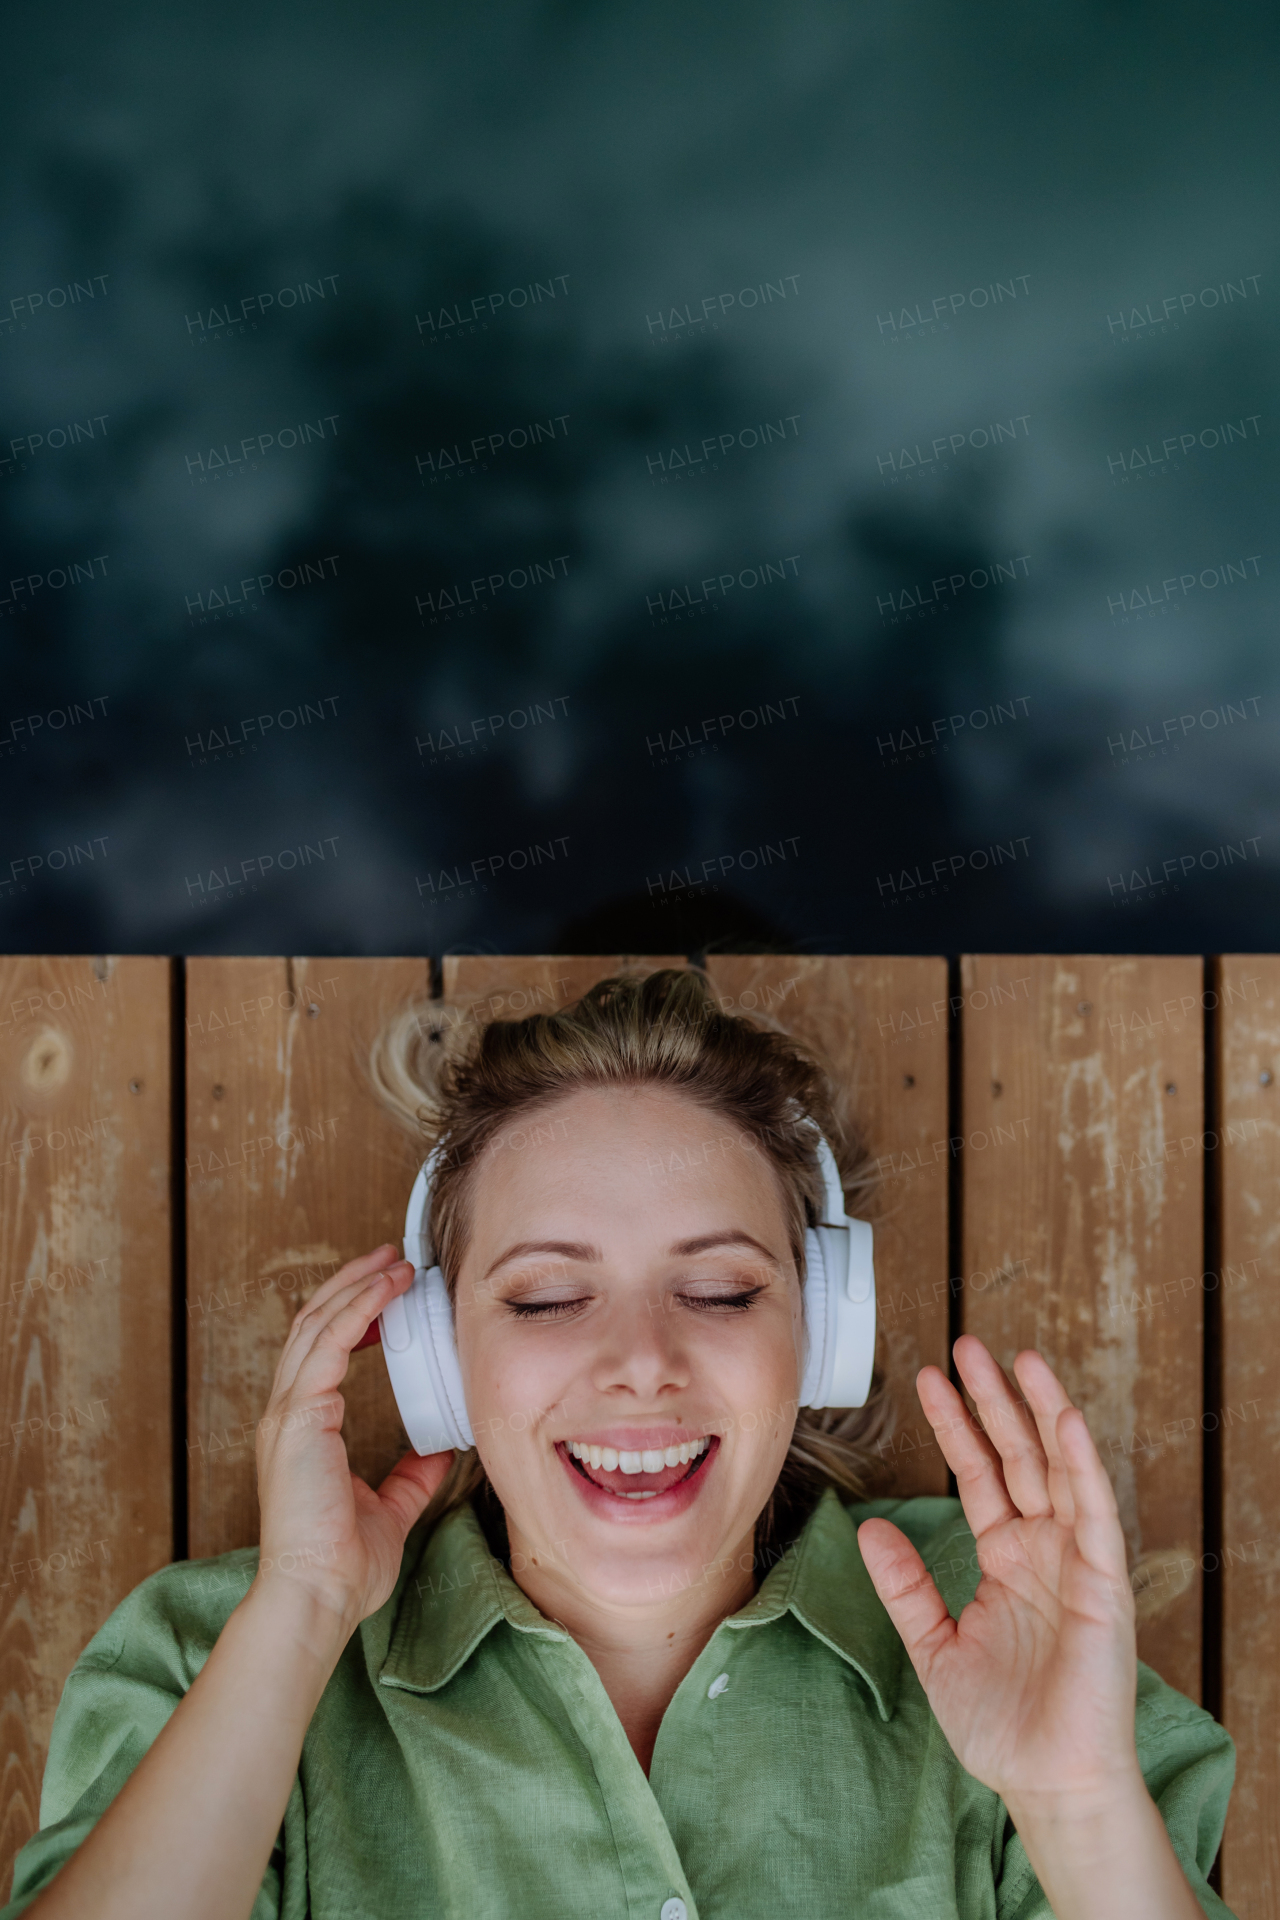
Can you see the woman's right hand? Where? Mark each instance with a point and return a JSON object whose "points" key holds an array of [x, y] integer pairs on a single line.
{"points": [[322, 1526]]}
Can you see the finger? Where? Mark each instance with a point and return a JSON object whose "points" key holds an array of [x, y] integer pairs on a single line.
{"points": [[320, 1357], [1008, 1425], [1098, 1533], [907, 1593], [352, 1273], [967, 1451], [317, 1313], [408, 1488], [308, 1323], [346, 1282], [1048, 1400], [360, 1268], [336, 1337]]}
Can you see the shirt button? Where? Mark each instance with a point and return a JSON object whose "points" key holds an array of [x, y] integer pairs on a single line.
{"points": [[717, 1686], [673, 1909]]}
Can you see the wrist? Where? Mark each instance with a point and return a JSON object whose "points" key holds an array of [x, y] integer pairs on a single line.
{"points": [[1102, 1852], [1094, 1817], [316, 1623]]}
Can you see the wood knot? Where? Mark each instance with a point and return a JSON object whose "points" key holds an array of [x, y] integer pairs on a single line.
{"points": [[47, 1064]]}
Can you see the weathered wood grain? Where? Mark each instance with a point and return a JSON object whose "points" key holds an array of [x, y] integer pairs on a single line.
{"points": [[881, 1023], [86, 1451], [292, 1169], [1083, 1166], [492, 987], [1248, 1288]]}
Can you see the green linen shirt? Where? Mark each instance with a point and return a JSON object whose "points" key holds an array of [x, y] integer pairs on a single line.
{"points": [[465, 1760]]}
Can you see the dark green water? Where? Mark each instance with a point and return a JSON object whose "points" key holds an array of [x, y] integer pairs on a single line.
{"points": [[586, 477]]}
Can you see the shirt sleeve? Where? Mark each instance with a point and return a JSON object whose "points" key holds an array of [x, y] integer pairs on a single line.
{"points": [[118, 1697]]}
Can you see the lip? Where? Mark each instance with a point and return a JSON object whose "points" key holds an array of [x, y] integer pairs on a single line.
{"points": [[637, 1439], [629, 1513]]}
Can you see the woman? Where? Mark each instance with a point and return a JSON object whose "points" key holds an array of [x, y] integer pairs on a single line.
{"points": [[638, 1658]]}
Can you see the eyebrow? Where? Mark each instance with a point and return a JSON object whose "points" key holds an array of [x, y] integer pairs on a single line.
{"points": [[581, 1250], [704, 1242], [567, 1249]]}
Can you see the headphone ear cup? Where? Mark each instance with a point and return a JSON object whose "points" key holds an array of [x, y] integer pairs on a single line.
{"points": [[816, 1321], [840, 1315], [443, 1349], [422, 1359]]}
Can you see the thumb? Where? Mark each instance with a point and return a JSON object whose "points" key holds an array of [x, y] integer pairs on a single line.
{"points": [[907, 1592], [412, 1481]]}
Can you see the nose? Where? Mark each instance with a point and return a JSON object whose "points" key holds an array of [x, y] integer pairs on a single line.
{"points": [[640, 1348]]}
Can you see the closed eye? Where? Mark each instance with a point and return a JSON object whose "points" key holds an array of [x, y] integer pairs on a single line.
{"points": [[721, 1302], [700, 1302], [544, 1310]]}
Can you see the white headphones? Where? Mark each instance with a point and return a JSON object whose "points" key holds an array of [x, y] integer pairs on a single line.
{"points": [[839, 1314]]}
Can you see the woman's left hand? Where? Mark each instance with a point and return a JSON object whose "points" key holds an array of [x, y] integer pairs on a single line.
{"points": [[1034, 1685]]}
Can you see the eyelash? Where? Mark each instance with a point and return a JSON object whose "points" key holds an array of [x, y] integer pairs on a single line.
{"points": [[555, 1309], [726, 1302]]}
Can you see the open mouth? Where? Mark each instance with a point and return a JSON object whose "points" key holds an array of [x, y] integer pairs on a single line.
{"points": [[641, 1475]]}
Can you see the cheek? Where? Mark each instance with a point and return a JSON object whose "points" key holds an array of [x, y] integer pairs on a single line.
{"points": [[511, 1383], [775, 1384], [504, 1403], [758, 1377]]}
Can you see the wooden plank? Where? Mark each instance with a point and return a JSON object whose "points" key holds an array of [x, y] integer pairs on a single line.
{"points": [[1248, 1289], [882, 1025], [494, 987], [292, 1169], [1083, 1167], [85, 1382]]}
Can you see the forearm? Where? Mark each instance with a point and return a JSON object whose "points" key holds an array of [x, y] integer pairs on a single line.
{"points": [[1112, 1860], [192, 1829]]}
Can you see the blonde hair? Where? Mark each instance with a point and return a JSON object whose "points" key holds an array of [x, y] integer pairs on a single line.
{"points": [[454, 1085]]}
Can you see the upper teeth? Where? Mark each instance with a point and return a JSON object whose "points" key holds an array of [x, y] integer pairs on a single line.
{"points": [[651, 1460]]}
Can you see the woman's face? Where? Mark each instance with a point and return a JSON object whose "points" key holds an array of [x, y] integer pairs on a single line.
{"points": [[630, 1335]]}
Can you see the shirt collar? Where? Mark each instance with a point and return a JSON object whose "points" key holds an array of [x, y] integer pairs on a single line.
{"points": [[457, 1592], [821, 1580]]}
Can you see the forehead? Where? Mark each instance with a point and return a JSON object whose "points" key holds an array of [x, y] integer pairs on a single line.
{"points": [[625, 1152]]}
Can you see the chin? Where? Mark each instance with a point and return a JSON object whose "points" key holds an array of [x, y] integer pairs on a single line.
{"points": [[638, 1537], [641, 1571]]}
